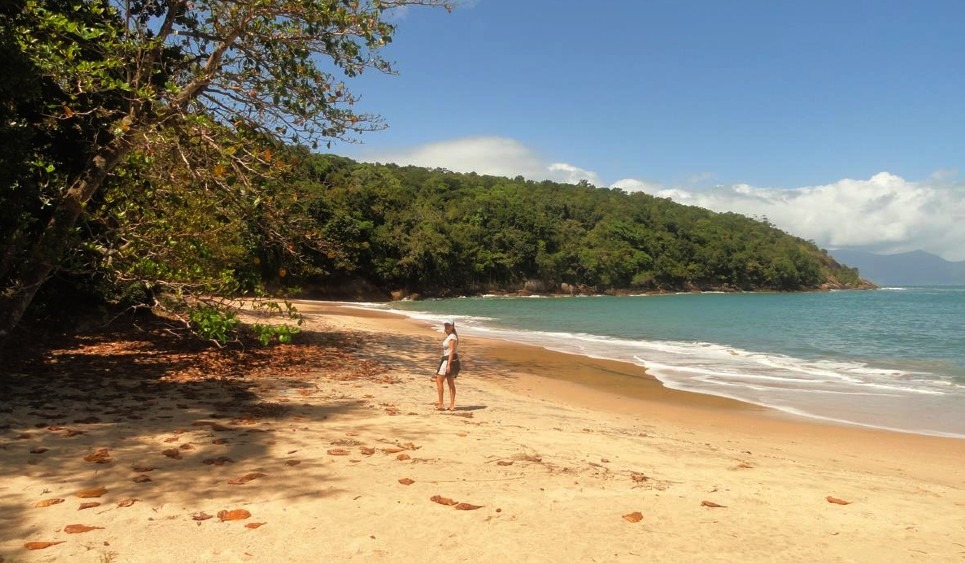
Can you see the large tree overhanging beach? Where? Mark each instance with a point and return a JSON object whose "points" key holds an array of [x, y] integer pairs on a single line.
{"points": [[128, 95]]}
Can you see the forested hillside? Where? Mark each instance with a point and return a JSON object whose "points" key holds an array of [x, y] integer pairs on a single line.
{"points": [[436, 232]]}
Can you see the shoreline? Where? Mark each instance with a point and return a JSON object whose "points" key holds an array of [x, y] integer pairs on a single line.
{"points": [[625, 376], [540, 374]]}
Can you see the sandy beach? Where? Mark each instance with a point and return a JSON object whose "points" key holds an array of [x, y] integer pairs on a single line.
{"points": [[548, 457]]}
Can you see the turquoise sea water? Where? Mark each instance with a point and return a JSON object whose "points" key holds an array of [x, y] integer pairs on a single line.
{"points": [[890, 358]]}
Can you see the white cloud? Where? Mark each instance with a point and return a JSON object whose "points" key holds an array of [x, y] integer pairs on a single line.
{"points": [[497, 156], [885, 213]]}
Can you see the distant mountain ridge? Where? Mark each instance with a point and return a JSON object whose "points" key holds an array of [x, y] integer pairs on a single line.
{"points": [[908, 268]]}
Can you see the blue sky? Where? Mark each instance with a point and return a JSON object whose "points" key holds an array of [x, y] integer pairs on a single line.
{"points": [[841, 122]]}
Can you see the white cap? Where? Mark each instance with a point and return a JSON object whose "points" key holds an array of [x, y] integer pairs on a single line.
{"points": [[450, 322]]}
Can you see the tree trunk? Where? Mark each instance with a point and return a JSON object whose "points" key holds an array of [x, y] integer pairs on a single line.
{"points": [[50, 247]]}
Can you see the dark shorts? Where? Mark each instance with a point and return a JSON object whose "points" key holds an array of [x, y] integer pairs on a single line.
{"points": [[454, 372]]}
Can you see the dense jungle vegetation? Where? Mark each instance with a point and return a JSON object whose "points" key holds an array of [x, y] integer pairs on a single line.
{"points": [[436, 232]]}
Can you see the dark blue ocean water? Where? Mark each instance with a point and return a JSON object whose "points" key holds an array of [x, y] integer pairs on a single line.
{"points": [[890, 358]]}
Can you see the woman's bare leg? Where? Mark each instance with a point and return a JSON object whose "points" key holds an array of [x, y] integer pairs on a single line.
{"points": [[439, 388], [452, 392]]}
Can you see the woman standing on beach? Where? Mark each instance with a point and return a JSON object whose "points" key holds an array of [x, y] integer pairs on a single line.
{"points": [[449, 366]]}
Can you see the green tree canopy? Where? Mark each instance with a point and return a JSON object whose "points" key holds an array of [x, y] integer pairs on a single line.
{"points": [[98, 86]]}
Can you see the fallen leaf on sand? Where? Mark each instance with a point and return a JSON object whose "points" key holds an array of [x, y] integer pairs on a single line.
{"points": [[633, 517], [127, 502], [214, 425], [403, 457], [367, 450], [39, 450], [80, 528], [142, 468], [639, 477], [710, 504], [836, 500], [40, 544], [91, 493], [504, 462], [443, 500], [254, 525], [293, 462], [238, 514], [172, 453], [467, 506], [142, 479], [392, 450], [48, 502], [102, 455], [220, 460], [199, 516], [337, 451], [245, 479], [86, 505], [406, 481]]}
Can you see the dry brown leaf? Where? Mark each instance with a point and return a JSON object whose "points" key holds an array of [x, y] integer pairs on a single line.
{"points": [[633, 517], [102, 455], [245, 479], [172, 453], [403, 457], [639, 477], [39, 450], [142, 479], [293, 462], [40, 544], [467, 506], [367, 450], [836, 500], [406, 481], [186, 447], [238, 514], [392, 450], [443, 500], [199, 516], [127, 502], [220, 460], [254, 525], [80, 528], [91, 493], [337, 451], [86, 505], [142, 468], [504, 462], [710, 504]]}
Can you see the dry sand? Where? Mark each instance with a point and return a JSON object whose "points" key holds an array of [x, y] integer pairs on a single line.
{"points": [[546, 461]]}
